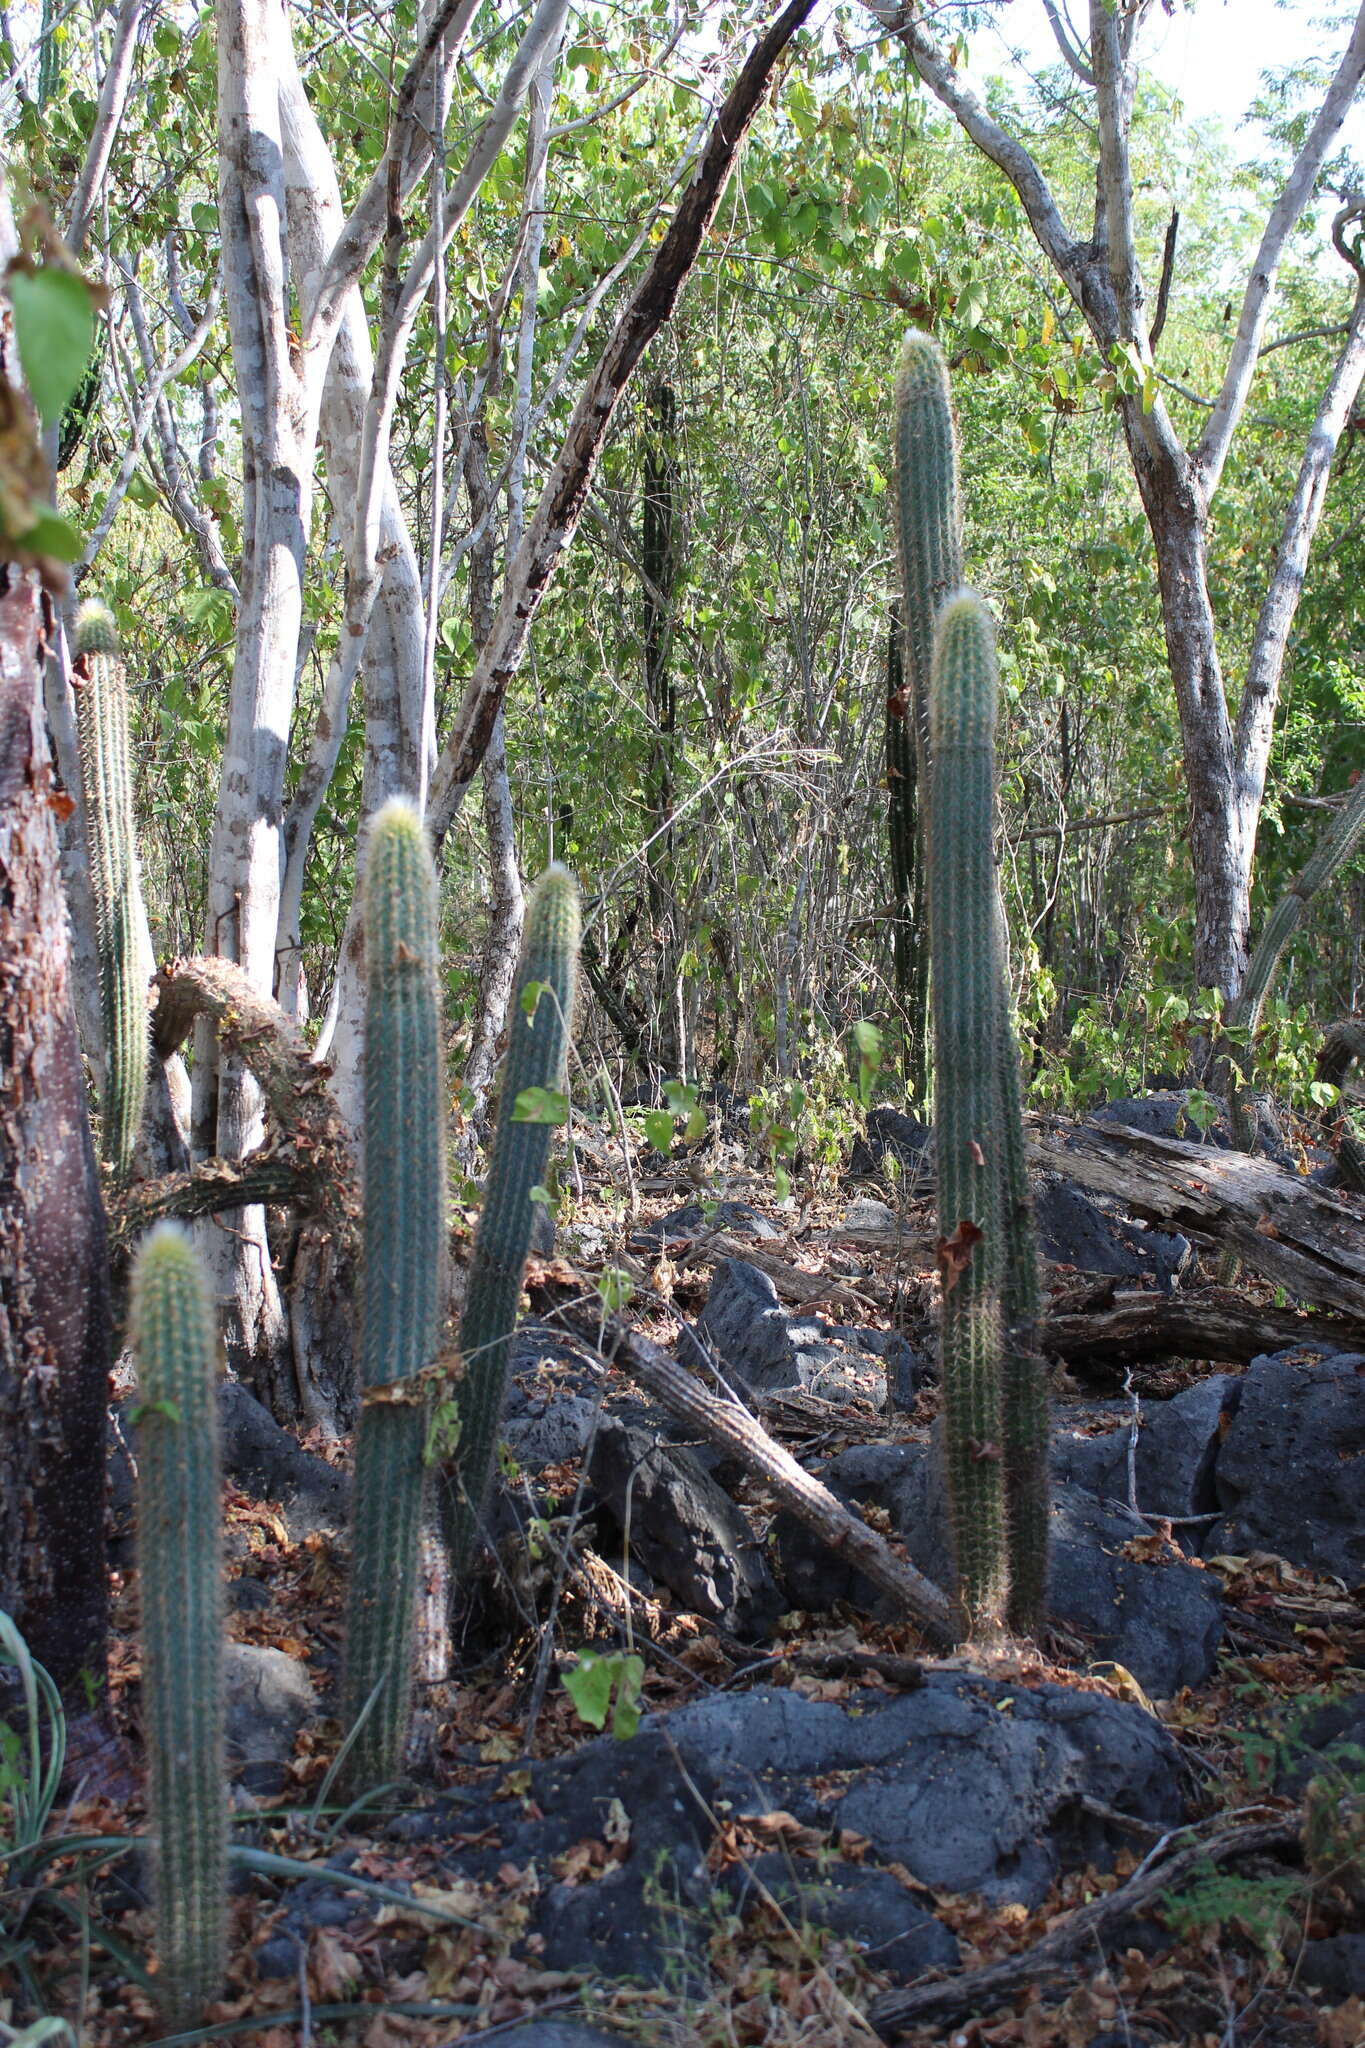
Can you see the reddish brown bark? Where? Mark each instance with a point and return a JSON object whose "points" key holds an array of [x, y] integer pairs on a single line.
{"points": [[54, 1284]]}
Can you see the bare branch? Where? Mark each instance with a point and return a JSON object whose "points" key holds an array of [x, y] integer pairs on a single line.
{"points": [[1163, 290], [1069, 49], [1212, 452], [108, 117]]}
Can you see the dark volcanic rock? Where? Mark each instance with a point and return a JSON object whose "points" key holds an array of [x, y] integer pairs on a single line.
{"points": [[770, 1350], [737, 1219], [684, 1528], [863, 1905], [1073, 1230], [1290, 1473], [1177, 1448], [1168, 1113], [270, 1464], [889, 1130], [1336, 1965], [1160, 1618]]}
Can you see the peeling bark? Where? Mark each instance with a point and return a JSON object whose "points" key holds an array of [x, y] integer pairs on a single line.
{"points": [[55, 1338]]}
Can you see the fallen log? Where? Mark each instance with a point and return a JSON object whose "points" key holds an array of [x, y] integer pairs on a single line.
{"points": [[974, 1992], [732, 1428], [1289, 1230], [1208, 1322]]}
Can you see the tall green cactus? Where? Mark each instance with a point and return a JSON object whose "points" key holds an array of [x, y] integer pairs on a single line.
{"points": [[181, 1583], [404, 1256], [928, 518], [102, 725], [1025, 1391], [538, 1036], [968, 979]]}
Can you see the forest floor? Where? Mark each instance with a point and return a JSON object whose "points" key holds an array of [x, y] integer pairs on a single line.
{"points": [[1222, 1963]]}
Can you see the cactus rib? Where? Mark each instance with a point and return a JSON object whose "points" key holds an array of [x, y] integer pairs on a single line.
{"points": [[538, 1036], [179, 1556], [106, 778], [404, 1250]]}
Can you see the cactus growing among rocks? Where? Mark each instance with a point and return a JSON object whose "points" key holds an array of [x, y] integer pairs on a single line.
{"points": [[533, 1073], [968, 980], [995, 1393], [180, 1577], [106, 786], [404, 1259]]}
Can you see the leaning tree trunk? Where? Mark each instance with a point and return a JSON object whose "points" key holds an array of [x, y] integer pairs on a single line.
{"points": [[54, 1278]]}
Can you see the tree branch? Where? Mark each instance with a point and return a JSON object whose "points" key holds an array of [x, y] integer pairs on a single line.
{"points": [[979, 1991], [561, 503], [108, 118], [1212, 452]]}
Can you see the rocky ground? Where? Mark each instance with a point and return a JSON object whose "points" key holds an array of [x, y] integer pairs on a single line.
{"points": [[801, 1812]]}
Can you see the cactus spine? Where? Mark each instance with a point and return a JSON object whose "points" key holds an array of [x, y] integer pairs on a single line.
{"points": [[929, 533], [179, 1555], [1025, 1392], [968, 986], [404, 1247], [538, 1035], [102, 725]]}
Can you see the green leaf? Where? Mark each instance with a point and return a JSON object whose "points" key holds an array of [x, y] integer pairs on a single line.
{"points": [[530, 996], [51, 534], [589, 1687], [615, 1287], [659, 1129], [54, 324], [540, 1106]]}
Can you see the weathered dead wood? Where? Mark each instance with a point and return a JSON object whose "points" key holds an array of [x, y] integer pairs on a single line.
{"points": [[308, 1161], [979, 1991], [1289, 1230], [1208, 1322], [803, 1290], [731, 1428]]}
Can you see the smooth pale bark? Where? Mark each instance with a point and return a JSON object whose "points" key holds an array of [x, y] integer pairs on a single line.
{"points": [[388, 638], [246, 858], [1225, 759]]}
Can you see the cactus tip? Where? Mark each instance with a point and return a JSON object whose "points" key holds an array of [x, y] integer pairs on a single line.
{"points": [[96, 632]]}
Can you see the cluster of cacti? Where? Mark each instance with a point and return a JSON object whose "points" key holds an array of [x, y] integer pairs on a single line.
{"points": [[404, 1257], [995, 1394], [107, 789], [537, 1045], [180, 1576], [172, 1330]]}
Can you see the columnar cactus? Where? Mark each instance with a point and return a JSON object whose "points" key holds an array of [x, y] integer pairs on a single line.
{"points": [[102, 725], [928, 517], [180, 1574], [1025, 1392], [968, 980], [538, 1036], [404, 1255]]}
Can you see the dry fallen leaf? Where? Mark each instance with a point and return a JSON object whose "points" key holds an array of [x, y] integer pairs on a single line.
{"points": [[954, 1253]]}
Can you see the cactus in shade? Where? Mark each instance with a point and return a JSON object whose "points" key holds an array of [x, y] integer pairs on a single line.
{"points": [[538, 1034], [403, 1298], [928, 518], [102, 725], [968, 980], [180, 1569], [1025, 1391]]}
